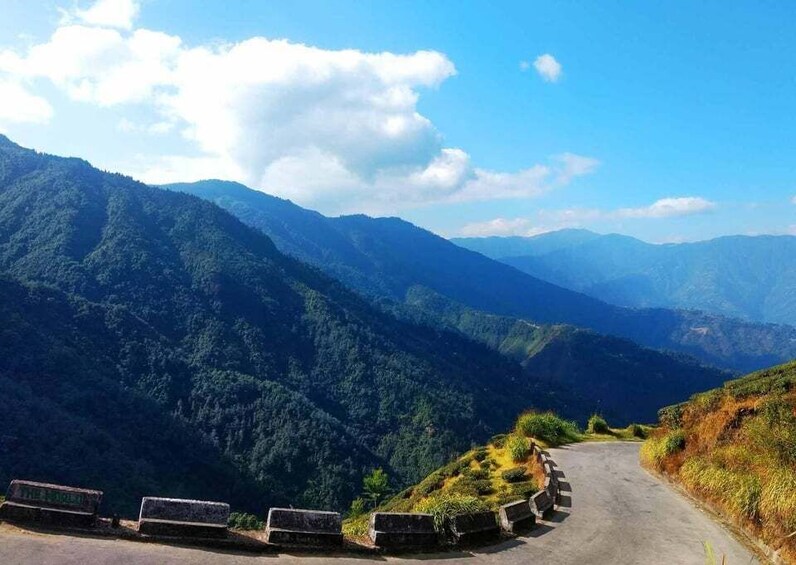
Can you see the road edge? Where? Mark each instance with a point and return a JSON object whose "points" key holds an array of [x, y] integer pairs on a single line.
{"points": [[738, 531]]}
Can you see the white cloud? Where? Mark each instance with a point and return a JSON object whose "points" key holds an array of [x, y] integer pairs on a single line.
{"points": [[338, 130], [551, 220], [18, 105], [668, 207], [106, 13], [793, 200], [501, 227], [548, 68], [572, 166]]}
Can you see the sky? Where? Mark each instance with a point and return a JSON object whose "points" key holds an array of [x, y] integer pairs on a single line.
{"points": [[669, 121]]}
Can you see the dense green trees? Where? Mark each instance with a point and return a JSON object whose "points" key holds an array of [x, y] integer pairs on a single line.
{"points": [[152, 344], [386, 257]]}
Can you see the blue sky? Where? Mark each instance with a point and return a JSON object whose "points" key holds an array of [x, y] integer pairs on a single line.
{"points": [[668, 122]]}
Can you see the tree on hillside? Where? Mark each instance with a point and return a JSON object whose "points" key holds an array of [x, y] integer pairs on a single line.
{"points": [[376, 486]]}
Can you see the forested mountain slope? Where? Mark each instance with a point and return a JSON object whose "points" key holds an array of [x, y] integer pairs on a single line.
{"points": [[619, 379], [749, 277], [385, 257], [161, 330]]}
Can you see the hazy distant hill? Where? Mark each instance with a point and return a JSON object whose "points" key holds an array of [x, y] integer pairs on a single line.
{"points": [[385, 257], [753, 278]]}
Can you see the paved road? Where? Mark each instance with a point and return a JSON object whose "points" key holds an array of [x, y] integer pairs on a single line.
{"points": [[613, 513]]}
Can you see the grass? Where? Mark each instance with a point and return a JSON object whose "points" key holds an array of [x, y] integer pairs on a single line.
{"points": [[519, 448], [243, 521], [597, 425], [735, 447], [447, 505], [548, 428], [485, 477]]}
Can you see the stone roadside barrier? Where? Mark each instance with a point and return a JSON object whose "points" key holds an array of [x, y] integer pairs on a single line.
{"points": [[517, 516], [551, 481], [475, 527], [542, 504], [287, 526], [179, 517], [28, 501], [402, 530]]}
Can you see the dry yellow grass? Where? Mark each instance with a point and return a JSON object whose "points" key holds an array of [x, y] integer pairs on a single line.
{"points": [[738, 453]]}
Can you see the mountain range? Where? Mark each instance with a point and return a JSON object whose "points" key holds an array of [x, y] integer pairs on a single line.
{"points": [[748, 277], [385, 257], [152, 343]]}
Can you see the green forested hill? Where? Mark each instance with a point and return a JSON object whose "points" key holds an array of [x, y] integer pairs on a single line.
{"points": [[154, 344], [614, 376], [385, 257], [749, 277]]}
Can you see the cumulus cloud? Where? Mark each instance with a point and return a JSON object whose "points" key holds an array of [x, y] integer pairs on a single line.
{"points": [[18, 105], [108, 13], [548, 68], [668, 207], [338, 130]]}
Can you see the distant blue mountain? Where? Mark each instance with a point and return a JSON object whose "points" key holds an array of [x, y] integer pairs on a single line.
{"points": [[387, 257], [752, 278]]}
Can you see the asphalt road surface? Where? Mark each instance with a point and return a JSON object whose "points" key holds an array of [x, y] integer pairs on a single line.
{"points": [[613, 512]]}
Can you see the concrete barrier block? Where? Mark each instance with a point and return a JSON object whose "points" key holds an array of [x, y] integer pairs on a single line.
{"points": [[542, 504], [288, 526], [475, 527], [57, 505], [516, 516], [402, 530], [180, 517]]}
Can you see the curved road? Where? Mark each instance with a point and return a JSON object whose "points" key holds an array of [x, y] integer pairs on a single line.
{"points": [[613, 512]]}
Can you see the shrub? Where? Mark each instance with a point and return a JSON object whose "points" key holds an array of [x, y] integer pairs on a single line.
{"points": [[672, 416], [525, 489], [673, 442], [444, 506], [432, 484], [464, 486], [358, 507], [636, 430], [514, 475], [480, 474], [480, 454], [659, 447], [498, 441], [483, 487], [597, 425], [243, 521], [519, 448], [486, 463], [547, 427]]}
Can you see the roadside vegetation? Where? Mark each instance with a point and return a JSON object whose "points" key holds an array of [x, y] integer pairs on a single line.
{"points": [[484, 478], [735, 447], [245, 522]]}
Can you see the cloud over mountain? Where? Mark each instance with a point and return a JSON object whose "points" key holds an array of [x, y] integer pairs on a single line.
{"points": [[336, 129]]}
